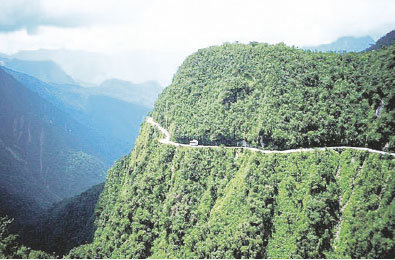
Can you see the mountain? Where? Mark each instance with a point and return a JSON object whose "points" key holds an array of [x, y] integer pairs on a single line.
{"points": [[386, 40], [280, 98], [47, 71], [143, 94], [93, 68], [344, 44], [43, 152], [109, 137], [56, 141], [59, 228], [171, 201], [45, 155]]}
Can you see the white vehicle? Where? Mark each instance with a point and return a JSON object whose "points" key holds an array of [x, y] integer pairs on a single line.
{"points": [[194, 142]]}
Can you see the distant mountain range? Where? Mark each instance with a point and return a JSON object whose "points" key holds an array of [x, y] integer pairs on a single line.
{"points": [[47, 70], [93, 68], [45, 154], [143, 94], [95, 111], [344, 44]]}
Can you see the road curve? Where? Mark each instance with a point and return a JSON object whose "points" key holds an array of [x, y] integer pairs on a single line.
{"points": [[166, 140]]}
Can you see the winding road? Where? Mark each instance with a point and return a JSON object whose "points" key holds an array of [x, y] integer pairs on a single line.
{"points": [[166, 140]]}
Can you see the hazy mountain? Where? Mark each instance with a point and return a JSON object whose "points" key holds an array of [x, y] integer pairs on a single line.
{"points": [[56, 141], [344, 44], [47, 71], [110, 136], [94, 68], [143, 94], [95, 65], [386, 40], [43, 152]]}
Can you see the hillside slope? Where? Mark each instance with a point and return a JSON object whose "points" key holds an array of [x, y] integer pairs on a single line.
{"points": [[164, 201], [277, 97], [65, 224], [168, 202]]}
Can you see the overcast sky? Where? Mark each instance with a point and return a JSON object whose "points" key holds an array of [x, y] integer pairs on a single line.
{"points": [[183, 26]]}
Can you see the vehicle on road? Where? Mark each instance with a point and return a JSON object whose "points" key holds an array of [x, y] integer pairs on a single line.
{"points": [[194, 142]]}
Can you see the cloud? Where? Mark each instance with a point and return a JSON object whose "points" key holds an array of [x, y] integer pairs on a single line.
{"points": [[30, 15], [177, 28]]}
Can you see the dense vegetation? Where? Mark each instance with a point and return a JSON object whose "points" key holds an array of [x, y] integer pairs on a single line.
{"points": [[168, 202], [66, 224], [278, 97], [163, 201], [11, 248]]}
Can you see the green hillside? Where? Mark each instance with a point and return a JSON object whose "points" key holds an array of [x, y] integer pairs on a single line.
{"points": [[11, 248], [278, 97], [163, 201], [168, 202], [65, 224]]}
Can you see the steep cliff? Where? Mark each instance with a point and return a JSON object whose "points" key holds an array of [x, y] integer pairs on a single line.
{"points": [[167, 201]]}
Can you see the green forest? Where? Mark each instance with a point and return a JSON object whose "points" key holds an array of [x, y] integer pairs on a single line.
{"points": [[279, 97], [163, 201]]}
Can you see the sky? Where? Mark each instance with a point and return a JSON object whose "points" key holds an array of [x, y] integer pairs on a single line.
{"points": [[166, 31]]}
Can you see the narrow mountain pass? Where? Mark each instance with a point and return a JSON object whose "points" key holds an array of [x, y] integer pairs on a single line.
{"points": [[166, 140]]}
